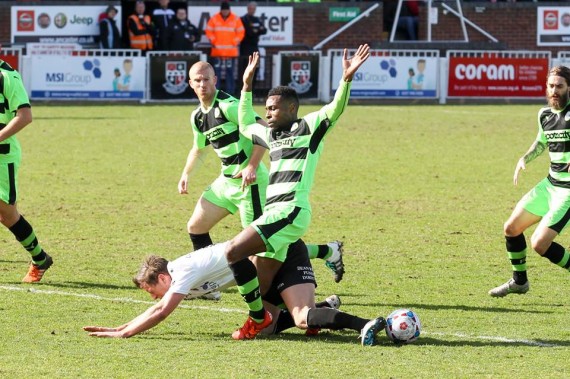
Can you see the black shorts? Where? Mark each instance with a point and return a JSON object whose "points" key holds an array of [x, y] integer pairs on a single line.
{"points": [[296, 269]]}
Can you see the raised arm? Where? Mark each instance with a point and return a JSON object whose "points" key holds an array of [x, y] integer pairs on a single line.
{"points": [[349, 68], [249, 126]]}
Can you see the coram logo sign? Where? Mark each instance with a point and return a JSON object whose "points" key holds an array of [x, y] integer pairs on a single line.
{"points": [[489, 72], [494, 76]]}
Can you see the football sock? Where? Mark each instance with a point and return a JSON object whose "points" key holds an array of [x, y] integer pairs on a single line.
{"points": [[313, 251], [200, 240], [558, 255], [24, 233], [322, 304], [247, 282], [284, 321], [516, 250], [319, 251], [334, 319]]}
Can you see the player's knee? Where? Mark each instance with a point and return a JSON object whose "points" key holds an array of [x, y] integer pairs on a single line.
{"points": [[511, 230], [232, 252], [539, 244]]}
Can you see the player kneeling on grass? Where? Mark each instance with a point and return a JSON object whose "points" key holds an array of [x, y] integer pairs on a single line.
{"points": [[206, 270]]}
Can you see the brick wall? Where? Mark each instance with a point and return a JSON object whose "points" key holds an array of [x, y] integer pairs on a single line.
{"points": [[513, 24]]}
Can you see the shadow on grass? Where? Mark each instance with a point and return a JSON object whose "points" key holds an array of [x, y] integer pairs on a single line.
{"points": [[350, 337], [83, 285], [78, 118], [389, 307], [14, 261]]}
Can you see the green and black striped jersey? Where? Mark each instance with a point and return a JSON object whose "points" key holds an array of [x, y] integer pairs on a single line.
{"points": [[13, 96], [218, 126], [554, 131], [294, 152]]}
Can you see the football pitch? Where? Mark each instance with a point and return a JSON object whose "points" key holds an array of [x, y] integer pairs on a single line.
{"points": [[418, 194]]}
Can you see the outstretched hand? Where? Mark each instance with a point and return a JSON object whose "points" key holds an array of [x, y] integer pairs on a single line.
{"points": [[249, 72], [350, 66], [101, 331]]}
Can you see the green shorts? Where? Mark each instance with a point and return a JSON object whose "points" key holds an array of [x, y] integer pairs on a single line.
{"points": [[550, 202], [9, 182], [279, 227], [226, 193]]}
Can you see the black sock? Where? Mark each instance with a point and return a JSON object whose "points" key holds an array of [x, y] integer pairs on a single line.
{"points": [[245, 275], [284, 321], [200, 240], [334, 319], [558, 255], [322, 304], [323, 251], [516, 250], [24, 233]]}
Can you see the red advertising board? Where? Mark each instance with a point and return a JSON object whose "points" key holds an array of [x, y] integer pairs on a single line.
{"points": [[12, 60], [492, 76]]}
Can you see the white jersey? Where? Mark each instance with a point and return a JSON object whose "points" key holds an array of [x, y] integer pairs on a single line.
{"points": [[201, 272]]}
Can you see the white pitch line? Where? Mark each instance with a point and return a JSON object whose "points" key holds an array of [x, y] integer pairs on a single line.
{"points": [[129, 300], [113, 299], [497, 339]]}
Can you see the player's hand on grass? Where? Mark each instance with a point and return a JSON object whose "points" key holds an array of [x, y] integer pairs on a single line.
{"points": [[520, 166], [101, 331], [350, 66], [249, 72]]}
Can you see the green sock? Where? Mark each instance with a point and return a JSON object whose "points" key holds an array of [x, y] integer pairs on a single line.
{"points": [[319, 251]]}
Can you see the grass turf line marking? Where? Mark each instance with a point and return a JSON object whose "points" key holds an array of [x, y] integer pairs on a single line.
{"points": [[129, 300], [115, 299]]}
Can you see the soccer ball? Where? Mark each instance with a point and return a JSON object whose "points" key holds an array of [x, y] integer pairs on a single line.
{"points": [[403, 326]]}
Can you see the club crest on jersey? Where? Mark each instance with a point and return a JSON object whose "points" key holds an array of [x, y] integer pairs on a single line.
{"points": [[567, 116], [175, 76], [301, 76]]}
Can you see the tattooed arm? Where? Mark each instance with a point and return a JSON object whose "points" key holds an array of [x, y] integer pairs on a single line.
{"points": [[534, 151]]}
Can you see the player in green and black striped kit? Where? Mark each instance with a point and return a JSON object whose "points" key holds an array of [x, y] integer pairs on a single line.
{"points": [[15, 114], [295, 145], [243, 180], [548, 203]]}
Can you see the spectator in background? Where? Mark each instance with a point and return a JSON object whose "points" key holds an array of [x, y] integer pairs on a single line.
{"points": [[225, 32], [250, 43], [407, 22], [110, 38], [140, 29], [162, 18], [181, 34]]}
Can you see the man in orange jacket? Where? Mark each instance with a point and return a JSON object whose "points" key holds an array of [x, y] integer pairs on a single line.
{"points": [[225, 32], [140, 29]]}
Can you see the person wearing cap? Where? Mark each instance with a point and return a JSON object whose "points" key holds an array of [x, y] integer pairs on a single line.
{"points": [[225, 32], [110, 38]]}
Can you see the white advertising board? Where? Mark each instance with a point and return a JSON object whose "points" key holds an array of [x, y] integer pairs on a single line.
{"points": [[87, 77]]}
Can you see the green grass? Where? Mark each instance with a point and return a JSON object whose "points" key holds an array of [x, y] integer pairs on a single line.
{"points": [[417, 193]]}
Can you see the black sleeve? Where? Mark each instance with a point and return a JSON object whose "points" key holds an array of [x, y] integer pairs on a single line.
{"points": [[104, 33]]}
